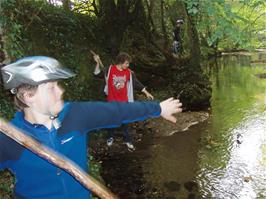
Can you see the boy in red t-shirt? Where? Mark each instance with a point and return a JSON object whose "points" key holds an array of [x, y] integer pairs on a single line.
{"points": [[120, 82]]}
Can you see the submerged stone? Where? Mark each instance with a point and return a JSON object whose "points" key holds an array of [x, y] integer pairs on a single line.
{"points": [[172, 186]]}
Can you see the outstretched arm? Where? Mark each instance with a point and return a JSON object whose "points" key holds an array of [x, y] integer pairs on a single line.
{"points": [[139, 86], [87, 116]]}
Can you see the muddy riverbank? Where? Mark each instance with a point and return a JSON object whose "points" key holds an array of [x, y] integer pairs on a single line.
{"points": [[132, 175]]}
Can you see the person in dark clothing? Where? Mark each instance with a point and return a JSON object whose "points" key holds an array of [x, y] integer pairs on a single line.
{"points": [[61, 126], [177, 44]]}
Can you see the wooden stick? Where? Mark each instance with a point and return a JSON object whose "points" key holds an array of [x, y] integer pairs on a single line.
{"points": [[100, 61], [56, 159]]}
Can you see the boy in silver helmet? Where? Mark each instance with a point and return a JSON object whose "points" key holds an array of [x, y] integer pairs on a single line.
{"points": [[62, 126]]}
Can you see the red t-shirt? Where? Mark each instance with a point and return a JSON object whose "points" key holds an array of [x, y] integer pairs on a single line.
{"points": [[117, 84]]}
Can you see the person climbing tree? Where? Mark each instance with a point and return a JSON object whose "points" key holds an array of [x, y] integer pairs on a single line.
{"points": [[177, 44]]}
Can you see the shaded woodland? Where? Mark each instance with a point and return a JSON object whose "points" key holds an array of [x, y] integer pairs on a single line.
{"points": [[68, 29]]}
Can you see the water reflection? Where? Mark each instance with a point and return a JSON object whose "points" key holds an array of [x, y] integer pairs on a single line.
{"points": [[243, 176], [225, 157], [232, 159], [235, 60]]}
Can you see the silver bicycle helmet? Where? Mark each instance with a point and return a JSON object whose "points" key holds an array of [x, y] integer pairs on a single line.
{"points": [[33, 71]]}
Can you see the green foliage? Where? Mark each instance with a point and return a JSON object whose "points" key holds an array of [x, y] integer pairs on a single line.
{"points": [[196, 89], [39, 28], [12, 26], [192, 6], [84, 8], [6, 105], [6, 184], [95, 169], [225, 25]]}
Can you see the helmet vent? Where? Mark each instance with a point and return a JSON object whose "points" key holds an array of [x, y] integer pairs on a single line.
{"points": [[45, 68], [28, 63]]}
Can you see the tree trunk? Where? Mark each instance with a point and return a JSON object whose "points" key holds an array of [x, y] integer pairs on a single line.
{"points": [[4, 59], [166, 43], [194, 45], [150, 7], [116, 17], [2, 54]]}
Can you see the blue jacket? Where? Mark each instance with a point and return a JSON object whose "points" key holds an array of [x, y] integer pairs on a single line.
{"points": [[36, 178]]}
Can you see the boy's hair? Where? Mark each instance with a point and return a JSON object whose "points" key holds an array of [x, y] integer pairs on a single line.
{"points": [[122, 57], [19, 96]]}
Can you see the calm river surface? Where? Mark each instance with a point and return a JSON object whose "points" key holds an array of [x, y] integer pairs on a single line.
{"points": [[225, 156]]}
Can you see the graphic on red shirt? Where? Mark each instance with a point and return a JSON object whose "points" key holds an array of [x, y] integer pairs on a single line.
{"points": [[117, 84]]}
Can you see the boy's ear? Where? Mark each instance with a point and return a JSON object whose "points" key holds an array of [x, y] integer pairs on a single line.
{"points": [[28, 97]]}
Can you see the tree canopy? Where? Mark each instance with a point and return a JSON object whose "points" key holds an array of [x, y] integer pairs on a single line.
{"points": [[68, 29]]}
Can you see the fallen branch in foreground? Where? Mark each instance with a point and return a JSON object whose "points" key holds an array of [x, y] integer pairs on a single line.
{"points": [[53, 157]]}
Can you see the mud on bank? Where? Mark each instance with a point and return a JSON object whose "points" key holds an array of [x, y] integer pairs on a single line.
{"points": [[124, 172]]}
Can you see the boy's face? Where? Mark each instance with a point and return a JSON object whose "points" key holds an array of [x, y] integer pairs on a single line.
{"points": [[48, 99], [125, 65]]}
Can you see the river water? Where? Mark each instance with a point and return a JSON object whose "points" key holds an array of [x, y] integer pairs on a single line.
{"points": [[225, 156]]}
